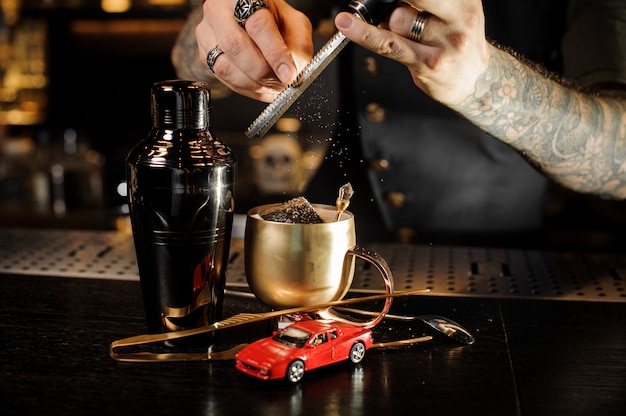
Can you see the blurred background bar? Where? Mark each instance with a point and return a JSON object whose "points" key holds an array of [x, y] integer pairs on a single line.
{"points": [[75, 78]]}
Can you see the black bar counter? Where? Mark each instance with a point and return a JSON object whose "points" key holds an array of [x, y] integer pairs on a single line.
{"points": [[532, 355]]}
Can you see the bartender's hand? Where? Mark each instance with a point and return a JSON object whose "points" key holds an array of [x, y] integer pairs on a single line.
{"points": [[260, 59], [450, 55]]}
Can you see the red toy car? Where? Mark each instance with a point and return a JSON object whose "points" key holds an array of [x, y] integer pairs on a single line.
{"points": [[303, 346]]}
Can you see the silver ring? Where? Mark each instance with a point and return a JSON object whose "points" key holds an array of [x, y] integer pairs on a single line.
{"points": [[245, 8], [214, 52], [418, 25]]}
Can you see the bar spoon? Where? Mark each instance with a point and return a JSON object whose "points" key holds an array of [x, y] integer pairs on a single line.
{"points": [[441, 324]]}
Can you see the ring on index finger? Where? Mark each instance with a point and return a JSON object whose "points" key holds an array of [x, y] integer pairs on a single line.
{"points": [[245, 8], [212, 55], [418, 25]]}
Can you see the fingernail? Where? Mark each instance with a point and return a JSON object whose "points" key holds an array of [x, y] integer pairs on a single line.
{"points": [[284, 73], [343, 21]]}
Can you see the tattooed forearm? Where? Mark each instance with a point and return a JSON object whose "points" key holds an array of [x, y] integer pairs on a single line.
{"points": [[185, 56], [576, 138]]}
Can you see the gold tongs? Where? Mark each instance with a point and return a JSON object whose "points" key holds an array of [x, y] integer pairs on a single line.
{"points": [[233, 321]]}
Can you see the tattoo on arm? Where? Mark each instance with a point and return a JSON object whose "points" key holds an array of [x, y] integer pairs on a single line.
{"points": [[577, 138], [185, 56]]}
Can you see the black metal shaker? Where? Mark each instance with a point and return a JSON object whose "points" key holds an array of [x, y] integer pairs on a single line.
{"points": [[181, 185]]}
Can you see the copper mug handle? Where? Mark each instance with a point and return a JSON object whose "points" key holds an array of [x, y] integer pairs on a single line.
{"points": [[383, 268]]}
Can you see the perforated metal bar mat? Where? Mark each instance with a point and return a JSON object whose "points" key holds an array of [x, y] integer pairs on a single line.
{"points": [[89, 254], [446, 271]]}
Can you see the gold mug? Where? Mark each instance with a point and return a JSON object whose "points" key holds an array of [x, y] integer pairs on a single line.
{"points": [[292, 265]]}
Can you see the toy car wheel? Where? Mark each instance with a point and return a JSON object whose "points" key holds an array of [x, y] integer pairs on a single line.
{"points": [[357, 352], [295, 371]]}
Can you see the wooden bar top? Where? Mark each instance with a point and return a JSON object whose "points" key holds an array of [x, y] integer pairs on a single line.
{"points": [[531, 357]]}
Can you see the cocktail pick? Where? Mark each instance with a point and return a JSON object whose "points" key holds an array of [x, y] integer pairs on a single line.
{"points": [[343, 200]]}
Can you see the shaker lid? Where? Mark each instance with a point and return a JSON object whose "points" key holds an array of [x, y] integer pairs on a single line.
{"points": [[180, 104]]}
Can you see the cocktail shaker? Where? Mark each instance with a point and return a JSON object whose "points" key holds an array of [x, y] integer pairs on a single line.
{"points": [[181, 185]]}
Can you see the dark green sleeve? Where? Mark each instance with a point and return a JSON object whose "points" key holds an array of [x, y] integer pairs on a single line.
{"points": [[594, 46]]}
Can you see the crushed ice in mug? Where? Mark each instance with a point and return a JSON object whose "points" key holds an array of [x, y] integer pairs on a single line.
{"points": [[297, 210]]}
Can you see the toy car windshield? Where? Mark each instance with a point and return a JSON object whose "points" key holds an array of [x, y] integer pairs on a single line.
{"points": [[293, 337]]}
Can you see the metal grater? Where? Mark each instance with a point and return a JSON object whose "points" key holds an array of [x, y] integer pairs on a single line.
{"points": [[371, 11]]}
